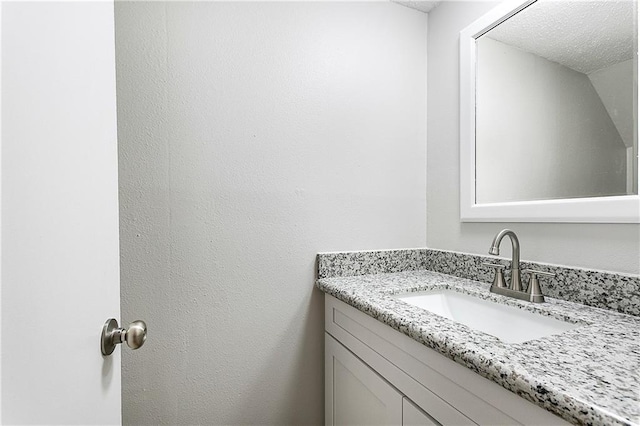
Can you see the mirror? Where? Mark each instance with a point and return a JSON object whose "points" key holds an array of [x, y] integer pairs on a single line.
{"points": [[549, 113]]}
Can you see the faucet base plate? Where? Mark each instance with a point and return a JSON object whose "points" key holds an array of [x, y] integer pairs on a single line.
{"points": [[522, 295]]}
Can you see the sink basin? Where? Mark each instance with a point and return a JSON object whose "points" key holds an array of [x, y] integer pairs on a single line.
{"points": [[509, 324]]}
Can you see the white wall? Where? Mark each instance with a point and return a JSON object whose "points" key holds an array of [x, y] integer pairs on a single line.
{"points": [[612, 84], [0, 215], [601, 246], [560, 140], [252, 136]]}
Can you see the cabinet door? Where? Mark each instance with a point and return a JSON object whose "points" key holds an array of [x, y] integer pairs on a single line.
{"points": [[412, 415], [355, 394]]}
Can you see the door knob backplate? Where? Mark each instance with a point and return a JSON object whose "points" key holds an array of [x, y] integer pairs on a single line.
{"points": [[135, 335]]}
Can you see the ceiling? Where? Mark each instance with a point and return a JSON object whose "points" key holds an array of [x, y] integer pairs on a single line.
{"points": [[422, 6], [583, 35]]}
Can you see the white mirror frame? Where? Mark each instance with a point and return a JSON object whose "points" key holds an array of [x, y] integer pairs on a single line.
{"points": [[614, 209]]}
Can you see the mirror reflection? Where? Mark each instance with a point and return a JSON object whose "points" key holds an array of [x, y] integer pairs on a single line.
{"points": [[556, 97]]}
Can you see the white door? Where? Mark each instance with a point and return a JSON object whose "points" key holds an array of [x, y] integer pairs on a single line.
{"points": [[59, 213]]}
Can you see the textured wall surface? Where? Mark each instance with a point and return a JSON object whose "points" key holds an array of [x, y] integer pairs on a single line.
{"points": [[598, 246], [252, 136]]}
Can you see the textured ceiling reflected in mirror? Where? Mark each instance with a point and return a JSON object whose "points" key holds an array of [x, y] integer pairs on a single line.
{"points": [[422, 6]]}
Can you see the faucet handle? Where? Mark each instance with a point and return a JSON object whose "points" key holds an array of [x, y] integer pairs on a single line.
{"points": [[535, 292], [498, 279]]}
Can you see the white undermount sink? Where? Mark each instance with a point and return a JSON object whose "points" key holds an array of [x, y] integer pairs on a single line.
{"points": [[509, 324]]}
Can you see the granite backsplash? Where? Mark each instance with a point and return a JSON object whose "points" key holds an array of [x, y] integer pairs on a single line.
{"points": [[601, 289]]}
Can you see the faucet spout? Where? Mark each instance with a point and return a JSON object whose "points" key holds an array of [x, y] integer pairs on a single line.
{"points": [[515, 256]]}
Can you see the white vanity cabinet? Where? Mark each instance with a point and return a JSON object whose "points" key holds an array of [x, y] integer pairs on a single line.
{"points": [[376, 375], [412, 415]]}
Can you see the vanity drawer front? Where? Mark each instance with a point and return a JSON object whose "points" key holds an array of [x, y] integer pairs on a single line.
{"points": [[427, 377]]}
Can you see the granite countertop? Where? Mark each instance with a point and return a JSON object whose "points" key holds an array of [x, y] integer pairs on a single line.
{"points": [[588, 375]]}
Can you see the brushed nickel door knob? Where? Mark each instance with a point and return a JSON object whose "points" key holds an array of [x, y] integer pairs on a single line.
{"points": [[135, 335]]}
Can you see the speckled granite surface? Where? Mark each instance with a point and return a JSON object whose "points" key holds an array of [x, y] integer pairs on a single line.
{"points": [[589, 375], [619, 292], [351, 263]]}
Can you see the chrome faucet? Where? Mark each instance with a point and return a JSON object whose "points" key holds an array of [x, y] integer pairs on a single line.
{"points": [[516, 283], [534, 293]]}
